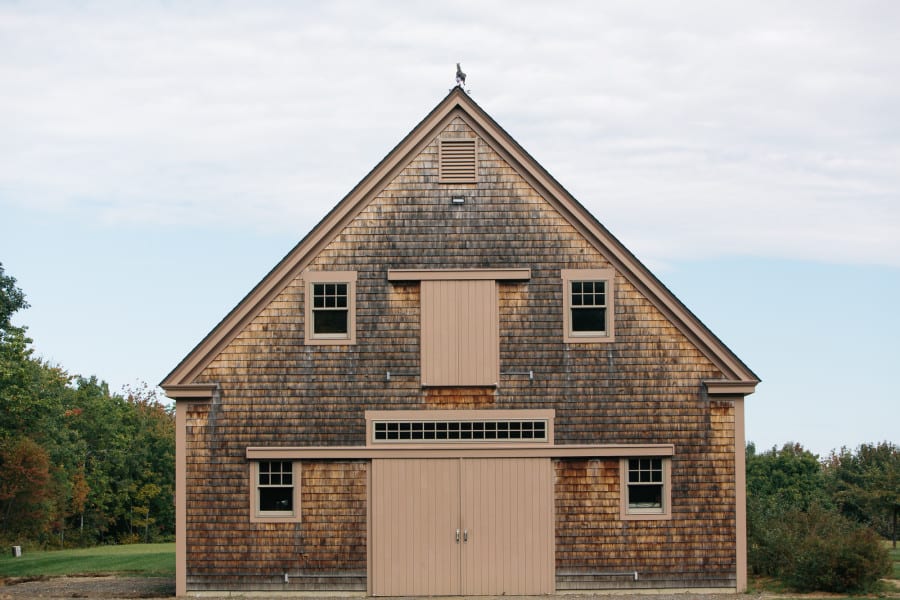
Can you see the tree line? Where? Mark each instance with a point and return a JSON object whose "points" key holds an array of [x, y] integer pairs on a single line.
{"points": [[79, 465], [818, 524]]}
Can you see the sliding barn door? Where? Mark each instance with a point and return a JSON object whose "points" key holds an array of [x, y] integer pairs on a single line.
{"points": [[415, 508], [462, 526], [508, 527]]}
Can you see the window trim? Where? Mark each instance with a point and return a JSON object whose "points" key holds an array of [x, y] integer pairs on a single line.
{"points": [[571, 275], [644, 514], [258, 516], [310, 279]]}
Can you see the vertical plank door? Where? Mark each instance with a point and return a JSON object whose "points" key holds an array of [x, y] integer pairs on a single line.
{"points": [[508, 527], [415, 514], [503, 508]]}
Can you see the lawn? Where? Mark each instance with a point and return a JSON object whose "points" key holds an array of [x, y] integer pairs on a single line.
{"points": [[895, 556], [149, 560]]}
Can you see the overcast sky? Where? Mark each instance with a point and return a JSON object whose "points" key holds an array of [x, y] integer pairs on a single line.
{"points": [[158, 158]]}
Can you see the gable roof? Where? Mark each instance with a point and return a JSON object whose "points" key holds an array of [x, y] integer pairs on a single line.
{"points": [[739, 379]]}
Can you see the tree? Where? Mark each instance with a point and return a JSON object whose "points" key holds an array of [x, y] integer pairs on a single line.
{"points": [[80, 492], [12, 300], [787, 478], [866, 485], [795, 532], [24, 488], [779, 481], [74, 456]]}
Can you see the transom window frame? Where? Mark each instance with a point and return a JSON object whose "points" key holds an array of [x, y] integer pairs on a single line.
{"points": [[546, 416], [635, 513], [607, 276], [313, 278], [275, 516], [459, 431]]}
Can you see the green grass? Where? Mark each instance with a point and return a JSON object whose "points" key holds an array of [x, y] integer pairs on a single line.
{"points": [[895, 556], [148, 560]]}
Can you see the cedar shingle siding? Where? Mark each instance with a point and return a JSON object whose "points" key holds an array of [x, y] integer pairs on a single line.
{"points": [[645, 387]]}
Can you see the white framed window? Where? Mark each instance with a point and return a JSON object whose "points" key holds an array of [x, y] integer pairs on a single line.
{"points": [[588, 298], [330, 312], [646, 490], [275, 491]]}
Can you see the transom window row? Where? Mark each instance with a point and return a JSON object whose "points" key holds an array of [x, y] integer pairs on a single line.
{"points": [[459, 430]]}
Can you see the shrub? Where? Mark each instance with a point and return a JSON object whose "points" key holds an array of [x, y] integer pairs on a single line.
{"points": [[836, 555], [816, 550]]}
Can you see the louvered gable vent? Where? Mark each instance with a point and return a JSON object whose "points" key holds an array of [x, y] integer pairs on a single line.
{"points": [[457, 161]]}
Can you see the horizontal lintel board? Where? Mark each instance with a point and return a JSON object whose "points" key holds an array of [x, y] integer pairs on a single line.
{"points": [[459, 450], [458, 274]]}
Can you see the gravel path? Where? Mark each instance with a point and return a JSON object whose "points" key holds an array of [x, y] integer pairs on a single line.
{"points": [[89, 587]]}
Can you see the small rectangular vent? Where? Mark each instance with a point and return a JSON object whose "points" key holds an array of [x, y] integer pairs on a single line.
{"points": [[456, 431], [457, 161]]}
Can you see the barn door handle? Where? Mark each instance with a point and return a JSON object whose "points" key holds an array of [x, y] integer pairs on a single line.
{"points": [[457, 536], [466, 535]]}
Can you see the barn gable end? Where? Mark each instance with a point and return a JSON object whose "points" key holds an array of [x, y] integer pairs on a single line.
{"points": [[460, 220]]}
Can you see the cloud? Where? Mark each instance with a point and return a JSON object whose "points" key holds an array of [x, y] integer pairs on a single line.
{"points": [[706, 130]]}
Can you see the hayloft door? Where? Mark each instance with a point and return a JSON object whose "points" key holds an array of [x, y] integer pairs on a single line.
{"points": [[480, 526]]}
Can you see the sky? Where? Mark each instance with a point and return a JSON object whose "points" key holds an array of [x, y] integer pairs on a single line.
{"points": [[158, 158]]}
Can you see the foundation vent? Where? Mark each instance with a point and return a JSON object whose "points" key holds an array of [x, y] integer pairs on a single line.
{"points": [[457, 161]]}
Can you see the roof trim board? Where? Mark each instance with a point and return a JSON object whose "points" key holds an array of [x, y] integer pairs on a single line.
{"points": [[457, 104]]}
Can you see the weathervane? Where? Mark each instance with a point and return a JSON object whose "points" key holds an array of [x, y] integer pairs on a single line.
{"points": [[461, 79]]}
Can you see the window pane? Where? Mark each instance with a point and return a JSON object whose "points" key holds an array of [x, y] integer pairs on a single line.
{"points": [[276, 499], [645, 496], [588, 319], [329, 321]]}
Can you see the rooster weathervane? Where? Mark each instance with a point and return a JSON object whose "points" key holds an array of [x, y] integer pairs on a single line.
{"points": [[461, 79]]}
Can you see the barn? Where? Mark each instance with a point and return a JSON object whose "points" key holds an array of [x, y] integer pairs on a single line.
{"points": [[460, 383]]}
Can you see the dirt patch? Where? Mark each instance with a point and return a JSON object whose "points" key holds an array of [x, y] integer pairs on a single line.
{"points": [[107, 587]]}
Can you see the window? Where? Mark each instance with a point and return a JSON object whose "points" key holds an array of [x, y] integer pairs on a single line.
{"points": [[646, 491], [491, 431], [275, 488], [330, 307], [588, 298]]}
